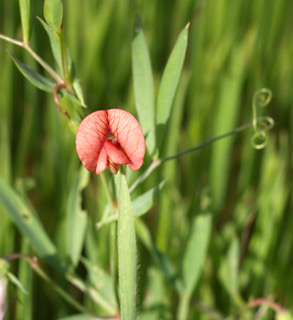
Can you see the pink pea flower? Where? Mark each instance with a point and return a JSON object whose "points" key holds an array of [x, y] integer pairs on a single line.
{"points": [[110, 138]]}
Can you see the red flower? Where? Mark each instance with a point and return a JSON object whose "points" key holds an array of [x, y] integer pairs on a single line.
{"points": [[110, 138]]}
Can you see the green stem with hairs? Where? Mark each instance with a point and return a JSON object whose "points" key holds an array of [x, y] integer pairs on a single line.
{"points": [[126, 250]]}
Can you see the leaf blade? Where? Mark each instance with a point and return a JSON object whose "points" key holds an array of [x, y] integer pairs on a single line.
{"points": [[169, 83], [196, 251], [25, 15], [28, 223], [140, 205], [76, 219], [34, 77], [143, 85], [53, 13]]}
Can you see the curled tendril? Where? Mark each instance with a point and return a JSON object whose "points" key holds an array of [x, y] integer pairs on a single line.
{"points": [[262, 125]]}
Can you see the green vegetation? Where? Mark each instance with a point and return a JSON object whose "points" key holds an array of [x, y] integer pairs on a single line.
{"points": [[214, 228]]}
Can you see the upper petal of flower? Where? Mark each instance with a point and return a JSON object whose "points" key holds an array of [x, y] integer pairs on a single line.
{"points": [[129, 134], [90, 138]]}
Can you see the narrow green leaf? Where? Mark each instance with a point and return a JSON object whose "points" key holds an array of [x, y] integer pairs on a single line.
{"points": [[91, 291], [54, 43], [126, 251], [76, 219], [53, 13], [25, 15], [35, 78], [140, 205], [143, 85], [28, 223], [196, 251], [228, 272], [162, 261], [103, 283], [58, 50], [13, 279], [169, 83], [78, 91]]}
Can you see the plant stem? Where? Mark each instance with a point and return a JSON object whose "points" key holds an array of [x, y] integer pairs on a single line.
{"points": [[107, 191], [60, 291], [52, 73], [126, 250], [8, 39], [157, 162], [183, 308], [26, 46], [199, 146]]}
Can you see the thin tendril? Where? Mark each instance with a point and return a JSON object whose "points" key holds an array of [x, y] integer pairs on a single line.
{"points": [[261, 98]]}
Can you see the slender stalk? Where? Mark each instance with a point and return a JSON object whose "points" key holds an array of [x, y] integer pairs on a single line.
{"points": [[34, 265], [8, 39], [183, 308], [52, 73], [108, 192], [222, 136], [26, 46], [148, 171], [126, 251], [157, 162]]}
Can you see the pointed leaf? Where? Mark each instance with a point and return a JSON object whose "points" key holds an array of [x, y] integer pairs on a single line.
{"points": [[35, 78], [140, 205], [54, 42], [25, 15], [78, 91], [76, 219], [196, 251], [102, 282], [12, 278], [143, 85], [169, 83], [28, 223], [229, 273], [53, 13]]}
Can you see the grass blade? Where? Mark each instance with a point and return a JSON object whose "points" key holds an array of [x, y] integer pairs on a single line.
{"points": [[196, 251], [76, 219], [53, 13], [25, 15], [140, 205], [28, 223], [170, 82], [143, 85]]}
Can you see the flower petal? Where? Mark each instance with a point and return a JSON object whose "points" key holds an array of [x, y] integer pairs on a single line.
{"points": [[115, 154], [128, 133], [102, 161], [90, 138]]}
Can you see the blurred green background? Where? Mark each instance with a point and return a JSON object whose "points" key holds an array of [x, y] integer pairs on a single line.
{"points": [[235, 47]]}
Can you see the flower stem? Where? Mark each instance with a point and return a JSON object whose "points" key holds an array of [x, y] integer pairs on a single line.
{"points": [[183, 308], [126, 250]]}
